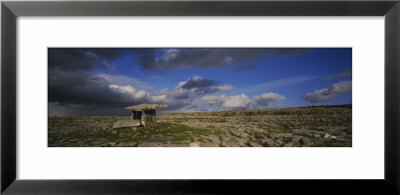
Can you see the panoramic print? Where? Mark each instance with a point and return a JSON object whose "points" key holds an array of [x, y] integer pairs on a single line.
{"points": [[199, 97]]}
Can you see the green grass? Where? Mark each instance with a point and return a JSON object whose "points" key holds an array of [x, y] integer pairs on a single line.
{"points": [[161, 132]]}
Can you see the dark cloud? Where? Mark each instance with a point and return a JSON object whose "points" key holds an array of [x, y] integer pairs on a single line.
{"points": [[198, 86], [198, 82], [245, 67], [205, 58], [344, 74], [82, 88], [81, 58], [321, 95], [71, 84]]}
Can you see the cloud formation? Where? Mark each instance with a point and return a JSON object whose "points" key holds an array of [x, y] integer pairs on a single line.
{"points": [[75, 90], [71, 83], [83, 88], [198, 82], [205, 58], [267, 99], [241, 101], [81, 58], [154, 59], [321, 95], [344, 74], [84, 93], [80, 80]]}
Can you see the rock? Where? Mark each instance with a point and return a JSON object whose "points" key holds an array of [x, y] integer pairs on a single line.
{"points": [[114, 132], [95, 143], [316, 135], [231, 141], [208, 145], [211, 140], [306, 141], [126, 123], [327, 135], [195, 144], [258, 130], [295, 138], [80, 144], [112, 144], [254, 144], [290, 144], [333, 137], [127, 144], [276, 135], [268, 142], [74, 140], [279, 143], [239, 133], [150, 144], [146, 106], [186, 141]]}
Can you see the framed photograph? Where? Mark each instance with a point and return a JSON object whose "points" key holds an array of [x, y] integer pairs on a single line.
{"points": [[199, 97], [130, 97]]}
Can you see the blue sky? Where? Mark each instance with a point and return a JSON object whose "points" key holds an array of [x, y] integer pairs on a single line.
{"points": [[87, 81]]}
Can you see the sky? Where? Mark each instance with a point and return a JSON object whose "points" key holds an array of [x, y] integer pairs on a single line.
{"points": [[102, 81]]}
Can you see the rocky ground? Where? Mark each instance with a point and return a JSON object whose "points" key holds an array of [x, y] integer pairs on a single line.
{"points": [[327, 126]]}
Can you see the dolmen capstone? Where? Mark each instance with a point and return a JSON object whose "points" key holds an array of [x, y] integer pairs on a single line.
{"points": [[141, 114]]}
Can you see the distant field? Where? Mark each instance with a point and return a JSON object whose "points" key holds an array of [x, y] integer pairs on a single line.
{"points": [[328, 126]]}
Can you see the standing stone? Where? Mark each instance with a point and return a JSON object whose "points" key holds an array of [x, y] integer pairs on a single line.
{"points": [[136, 114], [143, 121], [150, 115]]}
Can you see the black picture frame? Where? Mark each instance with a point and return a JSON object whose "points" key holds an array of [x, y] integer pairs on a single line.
{"points": [[10, 10]]}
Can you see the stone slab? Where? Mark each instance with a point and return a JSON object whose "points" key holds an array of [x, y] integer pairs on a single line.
{"points": [[126, 123], [142, 107]]}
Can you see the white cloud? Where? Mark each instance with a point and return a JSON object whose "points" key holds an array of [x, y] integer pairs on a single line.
{"points": [[241, 101], [237, 101], [127, 89], [132, 93], [158, 98], [321, 95], [141, 94], [170, 54], [224, 88], [267, 99], [123, 80]]}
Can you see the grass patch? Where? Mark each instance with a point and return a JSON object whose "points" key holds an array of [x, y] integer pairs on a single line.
{"points": [[154, 132]]}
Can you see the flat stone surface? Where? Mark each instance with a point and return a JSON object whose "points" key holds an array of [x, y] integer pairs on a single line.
{"points": [[126, 123], [142, 107], [290, 127]]}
